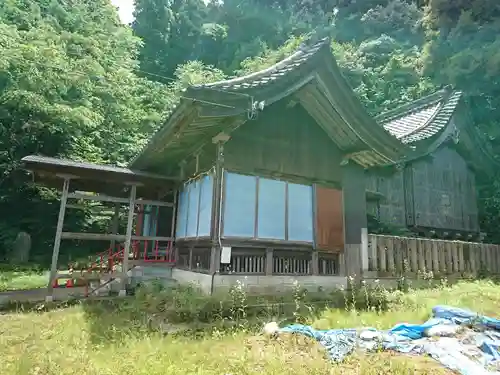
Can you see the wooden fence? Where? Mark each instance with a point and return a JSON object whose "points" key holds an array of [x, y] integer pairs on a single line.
{"points": [[398, 255]]}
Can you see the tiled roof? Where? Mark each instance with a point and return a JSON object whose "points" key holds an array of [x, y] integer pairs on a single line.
{"points": [[269, 75], [421, 119], [310, 73]]}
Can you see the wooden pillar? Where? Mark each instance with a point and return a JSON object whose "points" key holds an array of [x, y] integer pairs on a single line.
{"points": [[215, 255], [57, 239], [315, 262], [128, 236], [355, 219], [269, 261], [172, 230], [365, 266], [216, 229], [190, 258]]}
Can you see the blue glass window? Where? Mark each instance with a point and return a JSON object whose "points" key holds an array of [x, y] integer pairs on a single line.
{"points": [[239, 205], [146, 220], [300, 213], [271, 212], [205, 206], [193, 202], [153, 220], [181, 214]]}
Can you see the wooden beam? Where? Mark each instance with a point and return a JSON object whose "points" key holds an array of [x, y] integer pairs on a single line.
{"points": [[110, 237], [106, 198], [92, 236], [152, 238], [269, 261], [128, 238], [57, 240]]}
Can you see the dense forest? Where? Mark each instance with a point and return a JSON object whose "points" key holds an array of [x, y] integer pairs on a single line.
{"points": [[75, 82]]}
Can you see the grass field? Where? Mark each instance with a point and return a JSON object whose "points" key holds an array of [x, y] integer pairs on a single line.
{"points": [[89, 339], [17, 278]]}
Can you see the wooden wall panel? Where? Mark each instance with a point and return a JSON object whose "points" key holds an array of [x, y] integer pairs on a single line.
{"points": [[287, 142], [392, 208], [329, 220], [444, 192]]}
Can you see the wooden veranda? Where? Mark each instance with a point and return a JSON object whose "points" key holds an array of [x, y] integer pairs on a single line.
{"points": [[103, 183]]}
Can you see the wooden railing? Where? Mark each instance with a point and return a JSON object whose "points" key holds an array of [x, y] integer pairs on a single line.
{"points": [[398, 255]]}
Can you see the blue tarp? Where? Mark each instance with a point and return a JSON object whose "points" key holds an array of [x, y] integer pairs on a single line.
{"points": [[459, 339]]}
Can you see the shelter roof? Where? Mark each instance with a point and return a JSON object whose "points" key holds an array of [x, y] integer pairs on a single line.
{"points": [[93, 177]]}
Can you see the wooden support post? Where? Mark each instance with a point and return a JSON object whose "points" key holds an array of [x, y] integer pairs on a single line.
{"points": [[364, 250], [373, 253], [215, 255], [355, 219], [315, 262], [215, 232], [219, 140], [269, 261], [172, 229], [128, 238], [57, 240], [190, 258]]}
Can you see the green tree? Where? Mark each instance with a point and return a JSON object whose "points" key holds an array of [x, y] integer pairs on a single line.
{"points": [[463, 49], [67, 88], [171, 31]]}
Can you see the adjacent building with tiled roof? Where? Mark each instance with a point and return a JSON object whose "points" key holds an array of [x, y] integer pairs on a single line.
{"points": [[434, 187]]}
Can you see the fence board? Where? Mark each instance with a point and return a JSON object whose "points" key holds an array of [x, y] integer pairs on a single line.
{"points": [[382, 252], [461, 263], [372, 253], [454, 255], [398, 255], [435, 257], [497, 250], [412, 249], [390, 254], [428, 254], [421, 255]]}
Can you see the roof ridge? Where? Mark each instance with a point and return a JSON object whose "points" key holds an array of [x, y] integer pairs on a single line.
{"points": [[414, 106], [446, 97], [303, 48]]}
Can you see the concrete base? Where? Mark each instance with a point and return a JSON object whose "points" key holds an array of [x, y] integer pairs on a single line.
{"points": [[40, 294], [202, 281], [257, 284], [122, 293]]}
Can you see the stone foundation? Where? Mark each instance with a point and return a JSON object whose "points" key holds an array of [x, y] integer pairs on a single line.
{"points": [[257, 284]]}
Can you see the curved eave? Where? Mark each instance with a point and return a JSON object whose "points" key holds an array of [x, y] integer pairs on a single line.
{"points": [[475, 145], [314, 79], [372, 139], [182, 113], [319, 86]]}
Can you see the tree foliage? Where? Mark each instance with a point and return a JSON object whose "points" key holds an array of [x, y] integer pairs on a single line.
{"points": [[75, 82], [67, 88]]}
